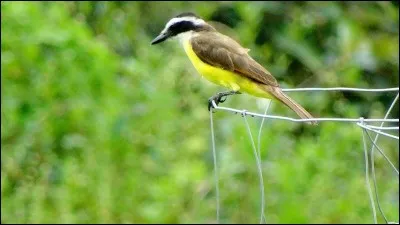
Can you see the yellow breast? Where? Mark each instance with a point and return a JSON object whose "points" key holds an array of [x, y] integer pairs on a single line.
{"points": [[223, 77]]}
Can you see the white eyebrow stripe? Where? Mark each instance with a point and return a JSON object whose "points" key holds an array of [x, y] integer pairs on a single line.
{"points": [[195, 21]]}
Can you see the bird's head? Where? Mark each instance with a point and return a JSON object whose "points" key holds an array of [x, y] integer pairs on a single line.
{"points": [[181, 24]]}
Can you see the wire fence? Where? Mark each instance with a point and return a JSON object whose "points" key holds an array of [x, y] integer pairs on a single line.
{"points": [[361, 122]]}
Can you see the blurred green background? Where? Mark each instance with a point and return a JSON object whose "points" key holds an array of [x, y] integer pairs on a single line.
{"points": [[97, 126]]}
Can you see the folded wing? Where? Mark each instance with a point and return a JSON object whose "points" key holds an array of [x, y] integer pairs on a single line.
{"points": [[223, 52]]}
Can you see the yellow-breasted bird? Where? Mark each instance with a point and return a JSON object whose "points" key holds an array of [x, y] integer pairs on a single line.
{"points": [[223, 61]]}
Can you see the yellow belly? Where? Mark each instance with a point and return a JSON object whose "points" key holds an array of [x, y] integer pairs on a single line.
{"points": [[223, 77]]}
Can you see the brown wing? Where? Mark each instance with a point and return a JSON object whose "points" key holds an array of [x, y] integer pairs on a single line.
{"points": [[221, 51]]}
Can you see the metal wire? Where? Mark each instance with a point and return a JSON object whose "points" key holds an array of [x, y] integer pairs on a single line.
{"points": [[215, 164], [299, 120], [361, 122], [383, 154], [258, 167], [367, 177], [377, 131], [341, 89], [382, 128], [259, 154], [374, 177], [373, 158]]}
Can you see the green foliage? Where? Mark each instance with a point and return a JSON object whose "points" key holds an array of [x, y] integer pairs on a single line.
{"points": [[100, 127]]}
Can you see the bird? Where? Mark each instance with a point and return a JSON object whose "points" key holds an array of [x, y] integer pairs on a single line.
{"points": [[224, 62]]}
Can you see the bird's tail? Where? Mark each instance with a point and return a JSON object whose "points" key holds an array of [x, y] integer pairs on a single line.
{"points": [[282, 97]]}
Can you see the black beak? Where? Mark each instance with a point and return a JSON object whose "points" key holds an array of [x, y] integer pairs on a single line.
{"points": [[160, 38]]}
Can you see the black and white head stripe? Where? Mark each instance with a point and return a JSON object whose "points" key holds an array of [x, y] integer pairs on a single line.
{"points": [[182, 23]]}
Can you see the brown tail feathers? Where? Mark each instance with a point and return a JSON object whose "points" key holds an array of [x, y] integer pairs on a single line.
{"points": [[277, 92]]}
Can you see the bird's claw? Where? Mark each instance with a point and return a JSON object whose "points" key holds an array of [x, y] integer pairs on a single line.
{"points": [[220, 98], [217, 99]]}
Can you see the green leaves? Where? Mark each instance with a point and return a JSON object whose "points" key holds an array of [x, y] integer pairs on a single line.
{"points": [[98, 126]]}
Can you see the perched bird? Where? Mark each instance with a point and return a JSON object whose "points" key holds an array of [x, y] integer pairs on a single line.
{"points": [[223, 61]]}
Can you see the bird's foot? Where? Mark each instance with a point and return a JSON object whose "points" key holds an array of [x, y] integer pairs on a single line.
{"points": [[220, 98]]}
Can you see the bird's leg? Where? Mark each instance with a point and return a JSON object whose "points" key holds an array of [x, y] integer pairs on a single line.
{"points": [[218, 98]]}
